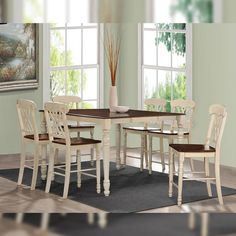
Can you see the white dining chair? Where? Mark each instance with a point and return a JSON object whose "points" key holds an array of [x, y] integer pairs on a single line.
{"points": [[211, 149], [153, 104], [75, 102], [171, 134], [26, 110], [60, 139]]}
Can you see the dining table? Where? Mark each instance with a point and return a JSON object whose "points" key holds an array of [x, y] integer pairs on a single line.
{"points": [[106, 119]]}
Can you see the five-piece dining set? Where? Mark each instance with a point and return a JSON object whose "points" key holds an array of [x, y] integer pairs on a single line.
{"points": [[63, 124]]}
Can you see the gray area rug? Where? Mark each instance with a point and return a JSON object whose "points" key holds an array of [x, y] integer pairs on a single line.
{"points": [[131, 190]]}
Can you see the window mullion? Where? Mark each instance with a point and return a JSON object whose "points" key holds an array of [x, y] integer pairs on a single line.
{"points": [[157, 61], [82, 70], [65, 71]]}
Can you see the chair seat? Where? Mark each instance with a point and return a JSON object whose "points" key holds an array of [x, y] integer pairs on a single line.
{"points": [[77, 141], [42, 137], [191, 148], [166, 132], [71, 127], [141, 128]]}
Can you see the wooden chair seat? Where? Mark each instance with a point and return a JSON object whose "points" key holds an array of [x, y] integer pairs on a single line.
{"points": [[152, 104], [71, 127], [77, 141], [26, 110], [166, 132], [60, 137], [191, 148], [141, 129], [42, 137], [181, 152]]}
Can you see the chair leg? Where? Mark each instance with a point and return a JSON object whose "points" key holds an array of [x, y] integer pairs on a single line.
{"points": [[125, 148], [207, 174], [36, 167], [180, 179], [162, 154], [191, 221], [142, 151], [171, 174], [92, 149], [145, 150], [78, 157], [218, 182], [67, 174], [50, 169], [150, 156], [191, 160], [22, 164], [98, 169], [171, 141]]}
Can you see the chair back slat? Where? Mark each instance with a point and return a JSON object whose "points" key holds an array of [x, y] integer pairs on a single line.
{"points": [[26, 110], [70, 101], [216, 126], [155, 104], [187, 107], [55, 114]]}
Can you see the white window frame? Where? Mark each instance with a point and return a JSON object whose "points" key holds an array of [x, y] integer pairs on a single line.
{"points": [[47, 69], [141, 65]]}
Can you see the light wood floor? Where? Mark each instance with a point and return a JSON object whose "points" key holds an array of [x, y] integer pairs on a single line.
{"points": [[22, 199]]}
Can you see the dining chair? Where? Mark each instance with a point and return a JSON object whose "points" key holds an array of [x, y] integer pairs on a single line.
{"points": [[75, 102], [26, 110], [60, 139], [211, 148], [171, 134], [153, 104]]}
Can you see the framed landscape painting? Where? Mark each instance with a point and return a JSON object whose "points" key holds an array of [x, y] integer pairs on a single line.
{"points": [[18, 56]]}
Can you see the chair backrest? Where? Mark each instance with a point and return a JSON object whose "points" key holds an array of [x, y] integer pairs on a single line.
{"points": [[57, 126], [216, 126], [187, 107], [155, 104], [70, 101], [26, 110]]}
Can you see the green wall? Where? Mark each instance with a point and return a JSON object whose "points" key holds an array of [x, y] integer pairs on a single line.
{"points": [[214, 80], [9, 126]]}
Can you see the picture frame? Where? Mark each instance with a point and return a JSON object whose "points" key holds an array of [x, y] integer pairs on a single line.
{"points": [[19, 56]]}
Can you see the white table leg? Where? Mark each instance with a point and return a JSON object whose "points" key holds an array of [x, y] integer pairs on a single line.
{"points": [[106, 158], [118, 141]]}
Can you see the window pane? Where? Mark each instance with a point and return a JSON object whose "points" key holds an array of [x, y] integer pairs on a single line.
{"points": [[149, 48], [89, 104], [90, 46], [165, 87], [179, 49], [163, 26], [150, 83], [179, 26], [57, 48], [73, 83], [164, 49], [179, 85], [90, 84], [57, 83], [74, 47]]}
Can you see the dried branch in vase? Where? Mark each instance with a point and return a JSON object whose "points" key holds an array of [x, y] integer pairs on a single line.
{"points": [[112, 50]]}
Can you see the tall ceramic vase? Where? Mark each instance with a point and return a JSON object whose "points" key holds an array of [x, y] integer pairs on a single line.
{"points": [[113, 100]]}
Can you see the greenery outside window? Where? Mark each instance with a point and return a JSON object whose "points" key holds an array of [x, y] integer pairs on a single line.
{"points": [[74, 62], [165, 62]]}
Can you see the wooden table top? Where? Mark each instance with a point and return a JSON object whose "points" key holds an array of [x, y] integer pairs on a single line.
{"points": [[106, 114]]}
